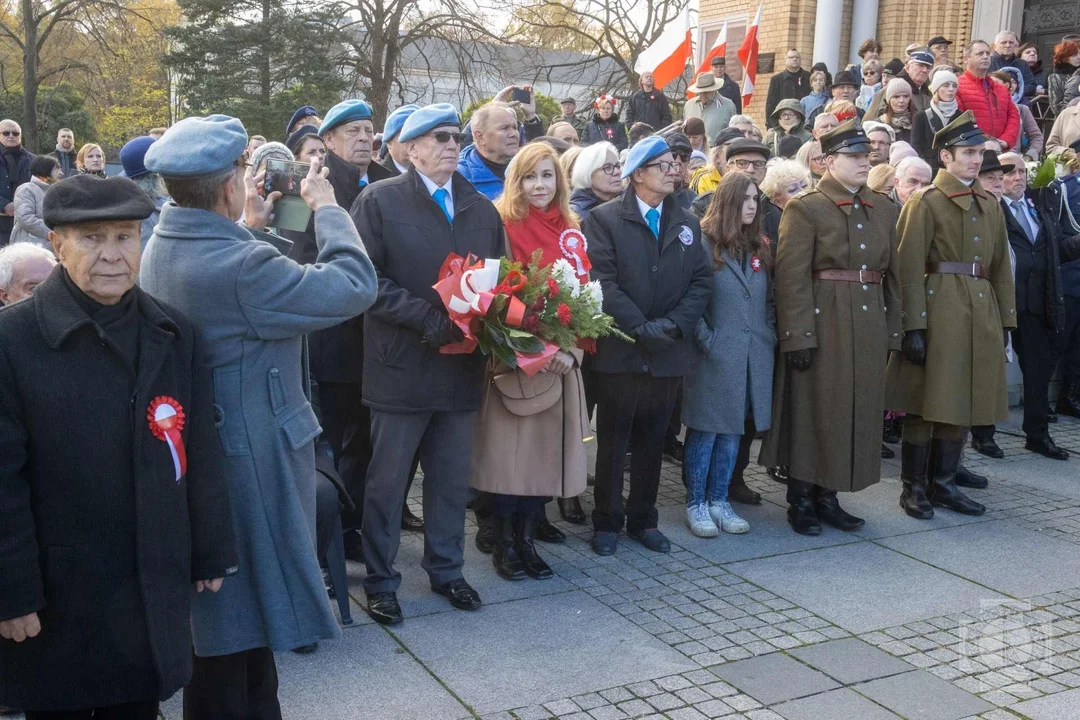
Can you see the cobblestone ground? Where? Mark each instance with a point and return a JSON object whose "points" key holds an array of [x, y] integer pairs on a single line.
{"points": [[949, 619]]}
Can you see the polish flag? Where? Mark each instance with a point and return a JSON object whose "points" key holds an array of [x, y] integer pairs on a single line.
{"points": [[667, 57], [748, 57], [719, 49]]}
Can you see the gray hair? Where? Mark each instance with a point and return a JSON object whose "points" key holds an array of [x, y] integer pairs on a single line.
{"points": [[740, 120], [872, 64], [152, 185], [782, 173], [12, 255], [588, 161], [1004, 33], [912, 162], [824, 115], [200, 193]]}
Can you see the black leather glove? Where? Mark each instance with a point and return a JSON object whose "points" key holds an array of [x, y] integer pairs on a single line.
{"points": [[654, 335], [670, 328], [914, 346], [800, 359], [439, 330]]}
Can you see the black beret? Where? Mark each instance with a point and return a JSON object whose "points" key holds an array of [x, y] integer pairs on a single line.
{"points": [[88, 198], [678, 141], [747, 147], [727, 135]]}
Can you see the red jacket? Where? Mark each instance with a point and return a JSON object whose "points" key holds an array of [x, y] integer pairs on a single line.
{"points": [[994, 111]]}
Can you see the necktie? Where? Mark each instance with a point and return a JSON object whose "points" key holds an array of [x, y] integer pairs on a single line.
{"points": [[363, 184], [653, 218], [1022, 217], [442, 198]]}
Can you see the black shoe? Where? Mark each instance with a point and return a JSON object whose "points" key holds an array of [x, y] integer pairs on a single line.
{"points": [[354, 549], [604, 543], [673, 451], [1048, 448], [571, 510], [1051, 417], [739, 492], [828, 510], [383, 608], [485, 534], [306, 649], [524, 535], [508, 563], [890, 432], [460, 594], [800, 512], [942, 490], [410, 521], [1069, 404], [987, 447], [887, 452], [652, 539], [328, 583], [778, 474], [968, 479], [914, 461], [545, 531]]}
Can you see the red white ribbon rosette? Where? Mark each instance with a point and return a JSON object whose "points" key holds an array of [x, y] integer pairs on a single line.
{"points": [[575, 247], [755, 263], [166, 418]]}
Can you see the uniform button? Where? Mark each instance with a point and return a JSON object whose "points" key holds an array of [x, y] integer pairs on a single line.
{"points": [[787, 334], [863, 267], [747, 297], [924, 313], [864, 308], [746, 331], [1012, 312], [809, 334], [817, 311], [929, 292], [857, 206], [976, 258], [865, 287], [859, 226], [980, 294], [976, 238], [974, 219], [645, 368], [896, 334], [862, 246], [654, 268]]}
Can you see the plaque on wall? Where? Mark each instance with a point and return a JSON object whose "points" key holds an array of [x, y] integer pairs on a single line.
{"points": [[766, 62]]}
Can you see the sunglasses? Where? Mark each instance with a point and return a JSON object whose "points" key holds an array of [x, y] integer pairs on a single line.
{"points": [[444, 137], [611, 168], [682, 156], [10, 133]]}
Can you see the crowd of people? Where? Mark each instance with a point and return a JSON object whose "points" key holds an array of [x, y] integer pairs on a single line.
{"points": [[248, 394]]}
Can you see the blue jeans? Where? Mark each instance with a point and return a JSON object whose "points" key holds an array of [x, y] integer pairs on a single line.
{"points": [[709, 459]]}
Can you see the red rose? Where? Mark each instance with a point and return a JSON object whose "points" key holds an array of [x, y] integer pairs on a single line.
{"points": [[531, 323], [564, 313], [553, 287]]}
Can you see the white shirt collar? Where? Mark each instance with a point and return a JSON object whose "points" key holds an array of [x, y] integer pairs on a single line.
{"points": [[432, 187], [644, 207], [401, 168], [365, 180]]}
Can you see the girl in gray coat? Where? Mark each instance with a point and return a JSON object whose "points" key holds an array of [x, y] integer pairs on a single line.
{"points": [[29, 225], [736, 341]]}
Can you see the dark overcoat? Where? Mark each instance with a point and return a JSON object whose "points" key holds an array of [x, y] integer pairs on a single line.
{"points": [[963, 380], [646, 279], [408, 238], [827, 419], [98, 537]]}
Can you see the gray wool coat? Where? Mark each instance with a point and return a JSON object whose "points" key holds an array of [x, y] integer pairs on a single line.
{"points": [[736, 345], [251, 307]]}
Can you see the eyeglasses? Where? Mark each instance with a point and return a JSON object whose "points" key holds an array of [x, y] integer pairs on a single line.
{"points": [[611, 168], [682, 156], [664, 165], [744, 164], [444, 136], [10, 133]]}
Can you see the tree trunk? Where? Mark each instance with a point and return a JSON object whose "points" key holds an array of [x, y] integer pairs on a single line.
{"points": [[264, 68], [30, 76]]}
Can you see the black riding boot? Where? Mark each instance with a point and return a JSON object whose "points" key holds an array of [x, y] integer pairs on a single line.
{"points": [[913, 472], [828, 510], [505, 555], [524, 537], [966, 478], [942, 491], [801, 507]]}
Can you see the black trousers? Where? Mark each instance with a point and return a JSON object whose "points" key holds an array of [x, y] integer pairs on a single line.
{"points": [[984, 432], [633, 412], [1070, 341], [347, 423], [674, 428], [145, 710], [742, 460], [327, 508], [241, 686], [1038, 355]]}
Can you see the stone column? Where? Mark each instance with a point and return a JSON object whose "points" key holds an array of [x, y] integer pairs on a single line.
{"points": [[992, 16], [827, 25], [863, 26]]}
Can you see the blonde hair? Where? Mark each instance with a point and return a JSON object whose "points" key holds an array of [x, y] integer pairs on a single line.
{"points": [[84, 151], [880, 176], [781, 173], [513, 205]]}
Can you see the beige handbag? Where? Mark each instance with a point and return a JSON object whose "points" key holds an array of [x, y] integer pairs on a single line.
{"points": [[524, 396]]}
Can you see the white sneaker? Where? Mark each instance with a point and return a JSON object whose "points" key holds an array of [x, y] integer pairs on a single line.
{"points": [[726, 519], [701, 525]]}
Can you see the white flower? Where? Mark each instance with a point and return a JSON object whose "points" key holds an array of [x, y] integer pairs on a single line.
{"points": [[594, 295], [564, 273]]}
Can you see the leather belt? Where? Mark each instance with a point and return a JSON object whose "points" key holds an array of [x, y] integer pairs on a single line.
{"points": [[855, 276], [975, 270]]}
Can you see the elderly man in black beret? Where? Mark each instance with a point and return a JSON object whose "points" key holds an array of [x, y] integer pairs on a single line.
{"points": [[111, 483]]}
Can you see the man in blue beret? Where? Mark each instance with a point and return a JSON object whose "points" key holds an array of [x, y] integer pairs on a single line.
{"points": [[251, 307], [420, 400], [395, 154], [646, 252]]}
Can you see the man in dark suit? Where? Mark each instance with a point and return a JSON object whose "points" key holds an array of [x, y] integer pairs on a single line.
{"points": [[791, 83], [1040, 303], [14, 171]]}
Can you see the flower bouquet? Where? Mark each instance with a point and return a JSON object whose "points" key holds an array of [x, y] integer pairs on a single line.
{"points": [[521, 313]]}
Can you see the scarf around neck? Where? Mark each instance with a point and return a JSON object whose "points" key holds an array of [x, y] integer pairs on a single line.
{"points": [[550, 232], [945, 111]]}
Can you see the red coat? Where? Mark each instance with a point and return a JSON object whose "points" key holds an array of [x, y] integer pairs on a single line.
{"points": [[993, 108]]}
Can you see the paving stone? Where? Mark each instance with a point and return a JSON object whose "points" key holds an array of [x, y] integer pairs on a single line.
{"points": [[840, 704], [850, 660], [1052, 707], [919, 695], [774, 678]]}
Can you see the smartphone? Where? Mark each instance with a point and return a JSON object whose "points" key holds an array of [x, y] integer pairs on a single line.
{"points": [[284, 177], [521, 95]]}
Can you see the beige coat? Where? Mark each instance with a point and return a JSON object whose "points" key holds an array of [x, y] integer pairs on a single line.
{"points": [[543, 454], [1065, 132]]}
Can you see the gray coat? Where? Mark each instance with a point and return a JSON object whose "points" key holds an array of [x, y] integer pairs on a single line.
{"points": [[251, 307], [736, 344], [29, 222]]}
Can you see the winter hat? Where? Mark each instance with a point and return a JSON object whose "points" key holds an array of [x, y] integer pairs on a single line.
{"points": [[133, 154], [940, 78], [274, 150], [896, 86], [900, 150]]}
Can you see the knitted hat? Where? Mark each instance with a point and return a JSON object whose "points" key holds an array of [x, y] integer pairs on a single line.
{"points": [[896, 86], [940, 78], [274, 150]]}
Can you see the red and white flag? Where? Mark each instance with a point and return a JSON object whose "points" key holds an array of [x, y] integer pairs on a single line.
{"points": [[748, 53], [719, 49], [667, 57]]}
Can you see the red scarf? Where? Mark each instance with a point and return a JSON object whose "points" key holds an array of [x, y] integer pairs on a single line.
{"points": [[548, 231]]}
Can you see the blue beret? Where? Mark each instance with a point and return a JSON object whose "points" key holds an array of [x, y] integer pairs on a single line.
{"points": [[345, 112], [645, 150], [133, 154], [198, 146], [427, 119], [301, 113], [396, 119]]}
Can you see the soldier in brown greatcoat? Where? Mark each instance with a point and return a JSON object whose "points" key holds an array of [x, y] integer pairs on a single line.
{"points": [[958, 297], [838, 314]]}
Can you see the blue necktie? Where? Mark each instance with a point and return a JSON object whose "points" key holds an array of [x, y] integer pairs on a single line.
{"points": [[363, 184], [442, 198], [653, 218]]}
